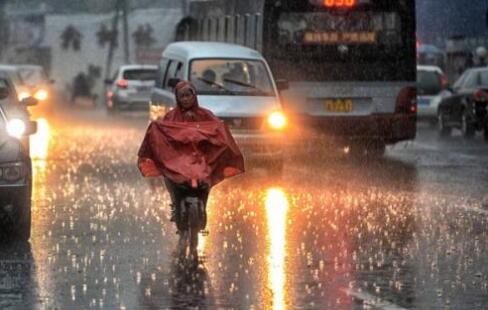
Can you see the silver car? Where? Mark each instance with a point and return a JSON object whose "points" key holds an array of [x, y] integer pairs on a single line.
{"points": [[130, 89]]}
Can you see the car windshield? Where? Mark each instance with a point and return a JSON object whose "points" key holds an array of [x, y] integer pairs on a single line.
{"points": [[231, 77], [140, 74], [33, 76], [428, 82]]}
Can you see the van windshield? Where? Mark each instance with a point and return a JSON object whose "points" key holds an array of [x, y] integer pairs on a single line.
{"points": [[241, 77]]}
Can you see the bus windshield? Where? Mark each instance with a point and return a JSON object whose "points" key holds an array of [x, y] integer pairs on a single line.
{"points": [[370, 42]]}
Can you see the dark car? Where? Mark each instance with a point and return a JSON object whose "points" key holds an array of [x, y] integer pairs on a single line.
{"points": [[15, 167], [465, 106]]}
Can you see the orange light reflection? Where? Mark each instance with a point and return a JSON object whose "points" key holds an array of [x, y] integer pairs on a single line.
{"points": [[277, 210]]}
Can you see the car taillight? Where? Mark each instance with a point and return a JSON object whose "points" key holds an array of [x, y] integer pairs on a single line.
{"points": [[407, 101], [480, 95], [122, 83]]}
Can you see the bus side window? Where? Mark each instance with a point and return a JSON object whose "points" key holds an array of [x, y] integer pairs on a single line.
{"points": [[259, 32], [162, 70], [200, 30], [204, 29], [236, 29], [231, 29], [246, 33], [209, 30], [221, 29], [226, 28]]}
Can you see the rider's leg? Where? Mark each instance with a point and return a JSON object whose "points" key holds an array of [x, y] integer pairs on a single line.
{"points": [[170, 186]]}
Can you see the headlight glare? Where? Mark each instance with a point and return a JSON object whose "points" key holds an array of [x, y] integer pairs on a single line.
{"points": [[16, 128], [23, 94], [41, 95], [277, 120]]}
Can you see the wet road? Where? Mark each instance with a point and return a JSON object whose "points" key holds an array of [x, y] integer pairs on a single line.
{"points": [[408, 231]]}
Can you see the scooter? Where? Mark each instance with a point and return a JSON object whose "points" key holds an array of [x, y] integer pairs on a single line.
{"points": [[191, 217]]}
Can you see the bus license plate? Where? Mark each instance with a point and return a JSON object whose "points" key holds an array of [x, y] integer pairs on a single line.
{"points": [[338, 105]]}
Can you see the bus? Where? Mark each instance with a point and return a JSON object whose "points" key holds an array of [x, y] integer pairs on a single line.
{"points": [[350, 65]]}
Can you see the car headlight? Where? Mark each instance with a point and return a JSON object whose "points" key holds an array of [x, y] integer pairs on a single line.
{"points": [[23, 94], [156, 111], [41, 95], [277, 120], [16, 128]]}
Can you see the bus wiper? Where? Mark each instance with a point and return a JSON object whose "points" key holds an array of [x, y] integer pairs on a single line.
{"points": [[216, 84], [258, 90]]}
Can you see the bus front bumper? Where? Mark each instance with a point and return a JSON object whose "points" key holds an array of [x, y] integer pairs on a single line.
{"points": [[390, 128]]}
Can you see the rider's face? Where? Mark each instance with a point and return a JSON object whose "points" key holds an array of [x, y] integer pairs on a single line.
{"points": [[186, 97]]}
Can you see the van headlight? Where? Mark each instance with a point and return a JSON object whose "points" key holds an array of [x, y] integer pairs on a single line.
{"points": [[16, 128], [23, 94], [41, 95], [277, 120], [156, 111]]}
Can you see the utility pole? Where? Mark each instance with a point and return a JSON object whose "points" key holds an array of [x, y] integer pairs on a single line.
{"points": [[111, 47], [121, 7], [125, 8]]}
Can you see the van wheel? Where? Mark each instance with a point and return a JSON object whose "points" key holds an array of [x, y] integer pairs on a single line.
{"points": [[467, 127], [22, 203], [444, 130]]}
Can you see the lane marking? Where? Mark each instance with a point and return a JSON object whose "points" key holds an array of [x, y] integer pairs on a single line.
{"points": [[372, 300]]}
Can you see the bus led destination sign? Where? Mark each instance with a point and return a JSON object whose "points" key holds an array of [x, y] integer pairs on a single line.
{"points": [[368, 37]]}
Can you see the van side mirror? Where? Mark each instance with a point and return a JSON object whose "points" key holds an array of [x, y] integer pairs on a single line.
{"points": [[4, 92], [282, 84], [108, 81], [173, 82], [30, 128], [29, 101]]}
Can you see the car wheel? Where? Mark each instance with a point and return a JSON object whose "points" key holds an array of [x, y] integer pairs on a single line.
{"points": [[467, 127], [376, 149], [371, 149], [22, 203], [444, 130]]}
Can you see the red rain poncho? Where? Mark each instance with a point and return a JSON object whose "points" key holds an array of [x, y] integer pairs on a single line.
{"points": [[190, 145]]}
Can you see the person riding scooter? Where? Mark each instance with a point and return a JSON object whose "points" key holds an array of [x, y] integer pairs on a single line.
{"points": [[191, 146]]}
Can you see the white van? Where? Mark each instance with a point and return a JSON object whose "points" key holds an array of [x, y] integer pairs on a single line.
{"points": [[236, 84]]}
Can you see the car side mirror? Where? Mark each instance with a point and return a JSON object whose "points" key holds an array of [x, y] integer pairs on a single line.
{"points": [[282, 84], [52, 81], [29, 101], [173, 82], [30, 128], [4, 92]]}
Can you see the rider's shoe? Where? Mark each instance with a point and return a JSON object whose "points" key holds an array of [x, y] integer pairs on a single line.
{"points": [[173, 213]]}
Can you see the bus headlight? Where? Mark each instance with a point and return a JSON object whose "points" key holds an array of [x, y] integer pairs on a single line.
{"points": [[16, 128], [277, 120], [41, 95]]}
